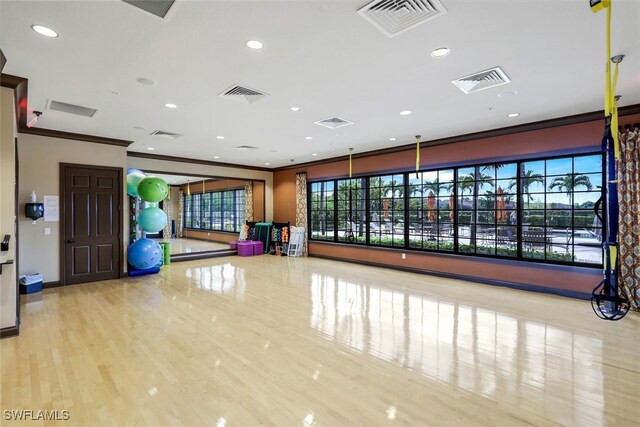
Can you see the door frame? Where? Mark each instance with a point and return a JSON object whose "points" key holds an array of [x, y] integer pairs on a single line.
{"points": [[63, 215]]}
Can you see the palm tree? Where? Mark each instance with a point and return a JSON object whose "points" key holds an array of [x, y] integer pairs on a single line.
{"points": [[527, 179], [569, 183]]}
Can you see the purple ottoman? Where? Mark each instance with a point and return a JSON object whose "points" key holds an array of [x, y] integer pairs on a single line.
{"points": [[234, 244], [258, 247], [245, 248]]}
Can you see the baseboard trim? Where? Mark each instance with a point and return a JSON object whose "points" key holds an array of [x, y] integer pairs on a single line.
{"points": [[203, 255], [53, 284], [492, 282], [11, 331]]}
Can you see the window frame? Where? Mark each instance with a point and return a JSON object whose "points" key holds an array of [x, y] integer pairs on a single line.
{"points": [[236, 215], [516, 253]]}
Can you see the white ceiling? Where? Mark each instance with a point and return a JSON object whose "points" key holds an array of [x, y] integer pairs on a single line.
{"points": [[318, 55], [178, 179]]}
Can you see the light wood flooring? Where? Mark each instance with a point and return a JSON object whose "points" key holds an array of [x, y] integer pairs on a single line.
{"points": [[307, 342]]}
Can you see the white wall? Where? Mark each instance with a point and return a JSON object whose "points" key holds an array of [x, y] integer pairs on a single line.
{"points": [[40, 159], [8, 291], [205, 170]]}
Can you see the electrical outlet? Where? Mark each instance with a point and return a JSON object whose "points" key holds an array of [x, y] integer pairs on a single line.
{"points": [[404, 256], [47, 231]]}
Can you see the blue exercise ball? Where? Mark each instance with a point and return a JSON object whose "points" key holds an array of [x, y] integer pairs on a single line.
{"points": [[133, 180], [132, 170], [152, 220], [144, 253]]}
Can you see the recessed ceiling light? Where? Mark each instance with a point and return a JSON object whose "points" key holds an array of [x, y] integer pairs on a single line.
{"points": [[115, 92], [171, 105], [220, 137], [314, 154], [216, 157], [440, 52], [138, 128], [308, 137], [267, 163], [254, 44], [405, 112], [146, 81], [150, 148], [392, 139], [44, 31], [295, 108], [512, 115]]}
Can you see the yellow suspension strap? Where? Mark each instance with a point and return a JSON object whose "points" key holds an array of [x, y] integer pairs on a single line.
{"points": [[202, 185], [188, 189], [417, 154], [606, 301], [350, 168]]}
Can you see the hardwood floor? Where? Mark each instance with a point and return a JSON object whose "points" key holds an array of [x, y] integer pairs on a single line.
{"points": [[290, 341]]}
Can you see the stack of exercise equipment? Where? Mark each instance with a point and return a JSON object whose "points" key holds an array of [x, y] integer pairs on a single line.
{"points": [[279, 238], [263, 234], [145, 255]]}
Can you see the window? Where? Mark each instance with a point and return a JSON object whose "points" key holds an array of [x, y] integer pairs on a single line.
{"points": [[431, 202], [386, 207], [321, 210], [217, 211], [537, 210], [558, 218]]}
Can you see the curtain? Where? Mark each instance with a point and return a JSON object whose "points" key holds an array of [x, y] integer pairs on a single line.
{"points": [[629, 219], [180, 213], [167, 206], [301, 206], [248, 201]]}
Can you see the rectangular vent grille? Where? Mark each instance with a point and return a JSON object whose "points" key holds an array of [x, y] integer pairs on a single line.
{"points": [[482, 80], [72, 109], [159, 8], [246, 148], [393, 17], [334, 123], [163, 134], [242, 94]]}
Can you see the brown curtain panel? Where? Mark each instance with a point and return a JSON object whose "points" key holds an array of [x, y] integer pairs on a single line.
{"points": [[248, 201], [167, 206], [301, 206], [179, 224], [629, 220]]}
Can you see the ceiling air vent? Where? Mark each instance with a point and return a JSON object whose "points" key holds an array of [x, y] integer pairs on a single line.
{"points": [[159, 8], [163, 134], [246, 148], [72, 109], [334, 123], [243, 94], [393, 17], [482, 80]]}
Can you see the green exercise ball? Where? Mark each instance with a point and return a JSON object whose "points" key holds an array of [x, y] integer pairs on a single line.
{"points": [[152, 189], [152, 220], [133, 180]]}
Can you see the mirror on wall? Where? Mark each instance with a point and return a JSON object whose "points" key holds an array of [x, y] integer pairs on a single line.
{"points": [[205, 213]]}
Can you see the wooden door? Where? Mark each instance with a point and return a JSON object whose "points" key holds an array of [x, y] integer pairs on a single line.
{"points": [[91, 223]]}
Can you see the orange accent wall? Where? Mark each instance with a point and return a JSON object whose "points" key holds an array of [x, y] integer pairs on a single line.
{"points": [[570, 138], [258, 201]]}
